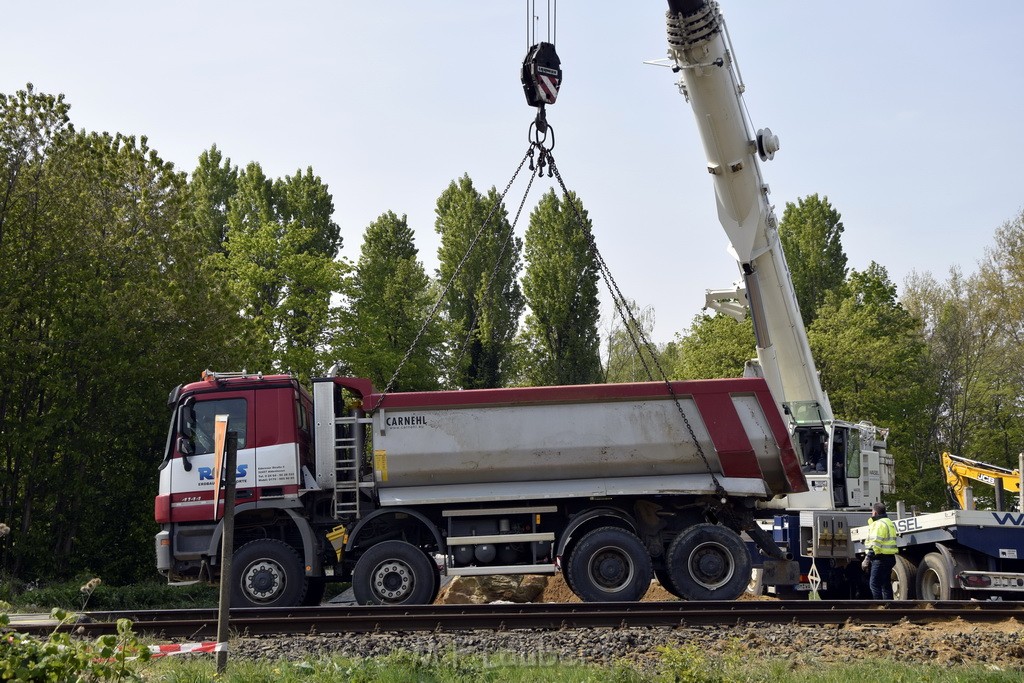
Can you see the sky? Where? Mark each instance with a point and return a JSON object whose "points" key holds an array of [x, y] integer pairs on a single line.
{"points": [[906, 115]]}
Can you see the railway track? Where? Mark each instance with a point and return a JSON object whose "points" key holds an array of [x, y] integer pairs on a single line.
{"points": [[551, 616]]}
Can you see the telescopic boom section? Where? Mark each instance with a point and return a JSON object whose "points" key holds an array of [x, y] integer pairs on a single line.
{"points": [[708, 78]]}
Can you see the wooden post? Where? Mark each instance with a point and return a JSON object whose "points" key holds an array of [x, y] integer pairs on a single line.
{"points": [[226, 552]]}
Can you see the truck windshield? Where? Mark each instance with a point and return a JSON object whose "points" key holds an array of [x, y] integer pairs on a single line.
{"points": [[805, 412], [199, 423]]}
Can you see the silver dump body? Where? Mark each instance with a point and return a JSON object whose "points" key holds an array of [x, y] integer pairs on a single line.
{"points": [[580, 441]]}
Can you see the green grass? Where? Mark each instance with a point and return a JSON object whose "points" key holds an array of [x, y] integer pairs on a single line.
{"points": [[678, 665]]}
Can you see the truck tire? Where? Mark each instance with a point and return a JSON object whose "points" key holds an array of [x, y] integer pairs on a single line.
{"points": [[709, 562], [933, 580], [904, 579], [394, 573], [665, 579], [267, 573], [610, 564], [437, 580]]}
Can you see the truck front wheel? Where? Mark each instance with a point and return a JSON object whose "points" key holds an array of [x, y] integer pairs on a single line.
{"points": [[610, 565], [267, 573], [709, 562], [394, 573]]}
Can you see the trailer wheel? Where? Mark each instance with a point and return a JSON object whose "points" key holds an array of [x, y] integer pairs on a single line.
{"points": [[709, 562], [393, 573], [933, 580], [904, 579], [610, 565], [267, 573]]}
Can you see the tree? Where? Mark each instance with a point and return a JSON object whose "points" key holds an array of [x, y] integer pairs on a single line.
{"points": [[867, 347], [280, 258], [479, 255], [874, 366], [625, 362], [811, 232], [389, 298], [104, 307], [714, 346], [560, 287], [210, 189]]}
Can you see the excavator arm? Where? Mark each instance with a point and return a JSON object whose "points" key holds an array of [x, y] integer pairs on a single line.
{"points": [[960, 471]]}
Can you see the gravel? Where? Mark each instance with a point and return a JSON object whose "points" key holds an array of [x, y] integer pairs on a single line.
{"points": [[952, 643]]}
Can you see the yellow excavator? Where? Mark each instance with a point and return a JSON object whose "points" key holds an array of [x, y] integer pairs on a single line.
{"points": [[960, 471]]}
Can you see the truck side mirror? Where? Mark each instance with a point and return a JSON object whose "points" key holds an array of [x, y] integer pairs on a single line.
{"points": [[186, 449]]}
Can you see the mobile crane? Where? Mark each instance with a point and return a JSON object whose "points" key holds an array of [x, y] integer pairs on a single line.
{"points": [[846, 464]]}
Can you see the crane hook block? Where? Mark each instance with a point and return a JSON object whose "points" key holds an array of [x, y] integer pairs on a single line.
{"points": [[542, 75]]}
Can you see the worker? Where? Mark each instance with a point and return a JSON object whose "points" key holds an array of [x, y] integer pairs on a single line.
{"points": [[881, 553]]}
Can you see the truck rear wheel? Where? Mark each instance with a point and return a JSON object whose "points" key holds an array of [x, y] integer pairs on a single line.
{"points": [[267, 573], [665, 579], [933, 580], [610, 565], [904, 579], [709, 562], [394, 573]]}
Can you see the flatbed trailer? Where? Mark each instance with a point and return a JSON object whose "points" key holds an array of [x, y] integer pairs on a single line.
{"points": [[957, 555]]}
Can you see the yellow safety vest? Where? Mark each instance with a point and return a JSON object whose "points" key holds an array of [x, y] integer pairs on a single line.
{"points": [[881, 536]]}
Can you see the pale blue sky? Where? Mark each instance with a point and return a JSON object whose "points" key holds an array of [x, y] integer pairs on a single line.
{"points": [[905, 114]]}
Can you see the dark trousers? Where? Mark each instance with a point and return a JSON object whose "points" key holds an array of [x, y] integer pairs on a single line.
{"points": [[881, 576]]}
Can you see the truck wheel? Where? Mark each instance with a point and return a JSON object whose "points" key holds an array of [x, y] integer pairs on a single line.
{"points": [[904, 579], [610, 565], [437, 580], [665, 579], [709, 562], [267, 573], [933, 580], [393, 573]]}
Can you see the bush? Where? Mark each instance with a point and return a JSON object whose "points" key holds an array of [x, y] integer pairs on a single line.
{"points": [[59, 658], [152, 595]]}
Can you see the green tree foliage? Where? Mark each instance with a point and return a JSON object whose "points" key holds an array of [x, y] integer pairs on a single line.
{"points": [[874, 366], [625, 362], [972, 327], [103, 308], [811, 232], [867, 347], [714, 346], [389, 298], [960, 331], [560, 286], [1001, 280], [280, 259], [484, 301], [210, 189]]}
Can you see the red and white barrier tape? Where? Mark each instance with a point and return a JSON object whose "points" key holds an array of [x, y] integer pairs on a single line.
{"points": [[186, 648]]}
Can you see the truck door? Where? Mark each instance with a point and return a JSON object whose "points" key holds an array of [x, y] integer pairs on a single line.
{"points": [[839, 446], [277, 441], [190, 471]]}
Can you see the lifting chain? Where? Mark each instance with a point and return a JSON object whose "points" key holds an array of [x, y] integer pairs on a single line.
{"points": [[528, 157], [632, 325]]}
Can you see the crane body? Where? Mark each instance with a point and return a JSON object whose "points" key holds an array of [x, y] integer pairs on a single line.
{"points": [[846, 464], [946, 555]]}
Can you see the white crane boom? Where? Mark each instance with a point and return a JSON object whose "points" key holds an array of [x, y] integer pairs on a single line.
{"points": [[698, 45]]}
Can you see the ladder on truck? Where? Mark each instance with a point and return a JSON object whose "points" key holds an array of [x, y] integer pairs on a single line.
{"points": [[340, 439]]}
